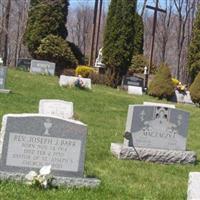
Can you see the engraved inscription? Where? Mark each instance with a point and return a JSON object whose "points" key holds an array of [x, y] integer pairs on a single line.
{"points": [[36, 151], [158, 128]]}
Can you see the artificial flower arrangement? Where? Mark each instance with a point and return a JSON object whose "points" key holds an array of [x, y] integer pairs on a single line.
{"points": [[43, 179], [79, 83], [179, 86]]}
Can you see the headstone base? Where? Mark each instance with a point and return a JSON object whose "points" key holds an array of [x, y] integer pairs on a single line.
{"points": [[59, 181], [153, 155], [4, 91]]}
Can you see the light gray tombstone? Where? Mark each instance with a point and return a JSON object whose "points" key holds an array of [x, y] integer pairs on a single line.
{"points": [[42, 67], [57, 108], [65, 81], [31, 141], [182, 97], [158, 133], [3, 74], [193, 192], [157, 127], [135, 90]]}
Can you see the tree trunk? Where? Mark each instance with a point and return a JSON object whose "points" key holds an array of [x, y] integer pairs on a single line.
{"points": [[7, 19]]}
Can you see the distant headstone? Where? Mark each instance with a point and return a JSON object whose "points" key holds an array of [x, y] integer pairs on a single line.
{"points": [[31, 141], [134, 84], [135, 90], [70, 81], [181, 97], [42, 67], [3, 74], [193, 192], [133, 81], [157, 134], [24, 64], [57, 108]]}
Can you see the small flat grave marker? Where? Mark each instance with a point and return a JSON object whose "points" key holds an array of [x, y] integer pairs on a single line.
{"points": [[70, 81], [57, 108]]}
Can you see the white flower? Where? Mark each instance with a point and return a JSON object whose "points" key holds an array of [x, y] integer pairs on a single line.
{"points": [[45, 170], [31, 175], [44, 184]]}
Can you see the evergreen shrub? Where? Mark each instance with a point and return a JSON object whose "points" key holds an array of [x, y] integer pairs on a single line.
{"points": [[195, 90], [162, 86], [56, 49]]}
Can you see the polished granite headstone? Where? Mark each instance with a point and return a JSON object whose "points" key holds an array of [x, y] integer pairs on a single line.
{"points": [[31, 141], [155, 133]]}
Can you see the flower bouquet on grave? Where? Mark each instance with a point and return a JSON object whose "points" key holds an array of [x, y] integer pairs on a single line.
{"points": [[43, 179], [79, 83], [179, 86]]}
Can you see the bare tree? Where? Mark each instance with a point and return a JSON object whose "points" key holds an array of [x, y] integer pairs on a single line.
{"points": [[183, 8], [163, 32], [143, 8], [7, 19]]}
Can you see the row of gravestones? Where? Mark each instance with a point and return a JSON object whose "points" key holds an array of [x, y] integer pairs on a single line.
{"points": [[48, 68], [154, 132], [134, 84], [37, 66]]}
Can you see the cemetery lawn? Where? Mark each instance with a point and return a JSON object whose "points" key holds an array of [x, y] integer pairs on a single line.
{"points": [[104, 110]]}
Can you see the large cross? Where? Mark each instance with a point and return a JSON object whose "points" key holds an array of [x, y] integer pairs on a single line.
{"points": [[156, 10]]}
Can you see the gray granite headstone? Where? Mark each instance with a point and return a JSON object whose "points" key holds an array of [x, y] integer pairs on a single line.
{"points": [[42, 67], [31, 141], [3, 75], [157, 127], [3, 72]]}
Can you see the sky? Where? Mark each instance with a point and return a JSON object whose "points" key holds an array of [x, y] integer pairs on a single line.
{"points": [[74, 3]]}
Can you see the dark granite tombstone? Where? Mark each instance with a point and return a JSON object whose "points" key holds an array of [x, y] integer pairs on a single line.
{"points": [[24, 64], [157, 134], [133, 81], [31, 141]]}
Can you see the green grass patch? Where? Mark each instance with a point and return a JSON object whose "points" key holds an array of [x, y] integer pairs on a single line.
{"points": [[104, 110]]}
